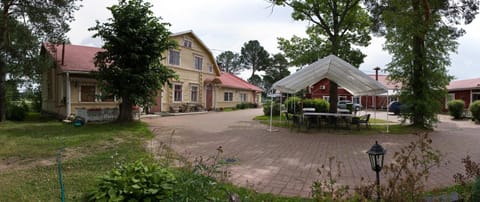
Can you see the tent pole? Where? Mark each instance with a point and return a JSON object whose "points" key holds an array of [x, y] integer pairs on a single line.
{"points": [[388, 123], [375, 106], [281, 105], [271, 112]]}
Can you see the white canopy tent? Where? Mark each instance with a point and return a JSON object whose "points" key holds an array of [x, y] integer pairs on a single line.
{"points": [[335, 69]]}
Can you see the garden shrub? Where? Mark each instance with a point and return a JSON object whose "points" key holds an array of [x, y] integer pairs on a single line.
{"points": [[475, 109], [293, 104], [476, 190], [135, 182], [16, 112], [266, 108], [246, 105], [455, 108], [321, 105]]}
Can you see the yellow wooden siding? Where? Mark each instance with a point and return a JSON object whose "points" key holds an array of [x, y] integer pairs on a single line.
{"points": [[221, 103]]}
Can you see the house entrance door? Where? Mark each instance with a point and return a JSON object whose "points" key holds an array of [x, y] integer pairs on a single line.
{"points": [[209, 97]]}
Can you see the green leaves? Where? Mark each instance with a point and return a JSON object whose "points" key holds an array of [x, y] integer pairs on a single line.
{"points": [[130, 67], [135, 181], [420, 35]]}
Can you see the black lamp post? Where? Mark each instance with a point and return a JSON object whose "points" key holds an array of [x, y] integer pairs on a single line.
{"points": [[376, 154]]}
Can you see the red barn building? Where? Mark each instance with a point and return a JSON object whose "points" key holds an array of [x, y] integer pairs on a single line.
{"points": [[467, 90], [321, 90]]}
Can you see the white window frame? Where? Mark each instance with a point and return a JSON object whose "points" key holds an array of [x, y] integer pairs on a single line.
{"points": [[195, 63], [326, 97], [170, 57], [187, 43], [181, 92], [210, 68], [243, 97], [191, 93], [471, 98], [230, 98], [342, 96], [451, 96]]}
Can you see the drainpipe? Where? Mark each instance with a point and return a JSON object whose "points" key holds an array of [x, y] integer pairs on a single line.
{"points": [[68, 95], [63, 52]]}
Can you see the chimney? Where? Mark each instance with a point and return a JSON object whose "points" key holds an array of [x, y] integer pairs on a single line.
{"points": [[376, 72], [63, 52]]}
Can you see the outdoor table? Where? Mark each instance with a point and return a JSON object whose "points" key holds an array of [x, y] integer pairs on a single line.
{"points": [[308, 109], [345, 117]]}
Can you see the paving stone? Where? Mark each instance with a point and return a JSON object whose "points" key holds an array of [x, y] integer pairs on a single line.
{"points": [[286, 162]]}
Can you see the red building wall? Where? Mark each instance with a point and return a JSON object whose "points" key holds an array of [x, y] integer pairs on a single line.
{"points": [[322, 88]]}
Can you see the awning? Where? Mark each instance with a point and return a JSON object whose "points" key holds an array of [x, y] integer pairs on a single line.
{"points": [[334, 69]]}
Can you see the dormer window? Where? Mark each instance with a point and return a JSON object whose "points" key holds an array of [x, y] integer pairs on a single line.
{"points": [[187, 43]]}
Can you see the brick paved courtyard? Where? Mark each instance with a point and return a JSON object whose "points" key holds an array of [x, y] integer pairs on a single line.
{"points": [[285, 162]]}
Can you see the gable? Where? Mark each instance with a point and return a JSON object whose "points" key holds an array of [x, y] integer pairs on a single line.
{"points": [[197, 47]]}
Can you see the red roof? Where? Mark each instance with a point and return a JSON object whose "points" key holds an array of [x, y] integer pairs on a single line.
{"points": [[383, 79], [232, 81], [464, 84], [76, 58]]}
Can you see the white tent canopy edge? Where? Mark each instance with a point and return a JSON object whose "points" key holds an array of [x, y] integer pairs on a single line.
{"points": [[334, 69]]}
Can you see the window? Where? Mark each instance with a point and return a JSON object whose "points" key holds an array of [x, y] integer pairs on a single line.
{"points": [[210, 68], [243, 97], [475, 96], [342, 97], [187, 43], [448, 98], [174, 57], [87, 93], [194, 94], [197, 62], [177, 93], [326, 97], [228, 96]]}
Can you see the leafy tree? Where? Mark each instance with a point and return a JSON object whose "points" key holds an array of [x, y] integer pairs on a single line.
{"points": [[254, 57], [338, 25], [23, 25], [255, 80], [229, 62], [420, 35], [276, 71], [130, 66]]}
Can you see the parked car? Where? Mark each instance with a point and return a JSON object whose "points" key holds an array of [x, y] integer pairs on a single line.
{"points": [[343, 105], [395, 107]]}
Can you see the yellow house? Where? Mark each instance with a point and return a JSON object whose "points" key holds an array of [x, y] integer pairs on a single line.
{"points": [[69, 88], [200, 80]]}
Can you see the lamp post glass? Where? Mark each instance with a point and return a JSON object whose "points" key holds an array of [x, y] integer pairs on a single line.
{"points": [[376, 154]]}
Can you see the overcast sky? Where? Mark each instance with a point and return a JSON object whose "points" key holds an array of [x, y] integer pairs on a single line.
{"points": [[227, 24]]}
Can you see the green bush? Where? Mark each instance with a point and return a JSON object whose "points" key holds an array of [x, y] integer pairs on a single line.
{"points": [[16, 112], [135, 182], [455, 108], [266, 108], [321, 105], [475, 109], [246, 105], [476, 190], [293, 104]]}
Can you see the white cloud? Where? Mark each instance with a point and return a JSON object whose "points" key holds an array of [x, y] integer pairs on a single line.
{"points": [[227, 24]]}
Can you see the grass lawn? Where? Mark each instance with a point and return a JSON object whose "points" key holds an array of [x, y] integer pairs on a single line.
{"points": [[28, 170], [374, 129]]}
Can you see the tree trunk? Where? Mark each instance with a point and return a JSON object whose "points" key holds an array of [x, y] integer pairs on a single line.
{"points": [[333, 97], [3, 100], [125, 110], [418, 85], [3, 64]]}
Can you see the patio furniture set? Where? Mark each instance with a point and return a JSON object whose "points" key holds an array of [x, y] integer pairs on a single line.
{"points": [[309, 118]]}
